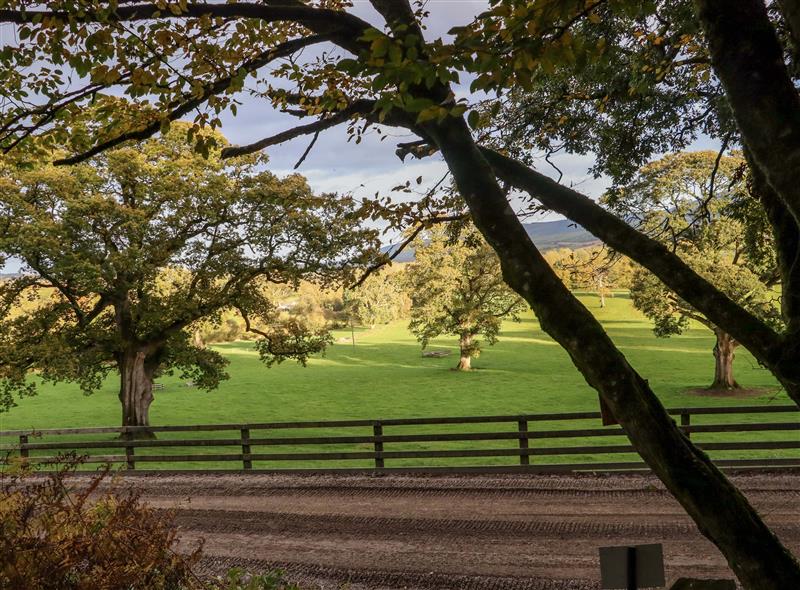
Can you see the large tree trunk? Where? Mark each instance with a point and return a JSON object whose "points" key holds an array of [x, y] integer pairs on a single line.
{"points": [[197, 339], [136, 391], [723, 360], [748, 57], [720, 511], [465, 345]]}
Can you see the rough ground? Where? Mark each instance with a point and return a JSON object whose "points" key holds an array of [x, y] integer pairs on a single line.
{"points": [[460, 532]]}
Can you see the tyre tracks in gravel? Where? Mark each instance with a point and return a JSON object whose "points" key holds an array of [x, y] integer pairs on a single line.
{"points": [[227, 522], [517, 532]]}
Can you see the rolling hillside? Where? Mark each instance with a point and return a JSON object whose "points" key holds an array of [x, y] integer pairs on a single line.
{"points": [[547, 235]]}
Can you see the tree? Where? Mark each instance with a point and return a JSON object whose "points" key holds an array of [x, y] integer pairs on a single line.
{"points": [[456, 287], [673, 200], [378, 299], [671, 314], [130, 250], [170, 59], [591, 268], [639, 81]]}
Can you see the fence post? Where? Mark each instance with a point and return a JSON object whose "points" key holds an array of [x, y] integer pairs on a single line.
{"points": [[377, 430], [522, 426], [129, 451], [23, 440], [248, 463], [686, 421]]}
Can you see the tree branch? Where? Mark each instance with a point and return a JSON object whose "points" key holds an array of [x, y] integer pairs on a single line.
{"points": [[358, 107], [319, 20], [398, 13], [405, 243], [307, 151], [180, 109], [759, 338]]}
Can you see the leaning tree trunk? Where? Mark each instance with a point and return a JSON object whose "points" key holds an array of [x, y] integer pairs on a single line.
{"points": [[723, 361], [136, 391], [465, 345], [721, 512]]}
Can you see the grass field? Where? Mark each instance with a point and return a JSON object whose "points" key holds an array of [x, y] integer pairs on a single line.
{"points": [[385, 376]]}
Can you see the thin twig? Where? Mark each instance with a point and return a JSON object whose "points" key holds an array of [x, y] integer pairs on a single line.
{"points": [[405, 243], [308, 150]]}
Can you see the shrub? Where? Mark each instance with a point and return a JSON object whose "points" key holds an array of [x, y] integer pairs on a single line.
{"points": [[54, 536], [62, 533]]}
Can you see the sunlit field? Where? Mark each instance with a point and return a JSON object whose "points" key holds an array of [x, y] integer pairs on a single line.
{"points": [[385, 376]]}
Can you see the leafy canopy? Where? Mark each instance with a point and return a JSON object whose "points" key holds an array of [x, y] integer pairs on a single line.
{"points": [[377, 300], [136, 246], [456, 287], [675, 200]]}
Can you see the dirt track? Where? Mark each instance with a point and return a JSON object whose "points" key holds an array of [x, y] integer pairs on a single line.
{"points": [[503, 532]]}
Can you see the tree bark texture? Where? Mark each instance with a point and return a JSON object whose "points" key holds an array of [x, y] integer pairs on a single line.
{"points": [[723, 361], [749, 60], [136, 389], [465, 346], [786, 232], [720, 511]]}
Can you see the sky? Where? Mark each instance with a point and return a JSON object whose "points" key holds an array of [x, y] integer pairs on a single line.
{"points": [[336, 165]]}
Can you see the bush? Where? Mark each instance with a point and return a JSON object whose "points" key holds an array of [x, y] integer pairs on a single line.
{"points": [[58, 533], [54, 536]]}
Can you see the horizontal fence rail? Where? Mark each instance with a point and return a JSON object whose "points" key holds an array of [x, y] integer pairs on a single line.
{"points": [[530, 442]]}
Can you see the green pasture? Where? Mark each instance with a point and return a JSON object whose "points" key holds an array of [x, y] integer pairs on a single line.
{"points": [[385, 376]]}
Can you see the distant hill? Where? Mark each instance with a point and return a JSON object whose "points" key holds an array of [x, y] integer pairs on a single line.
{"points": [[550, 235], [547, 235]]}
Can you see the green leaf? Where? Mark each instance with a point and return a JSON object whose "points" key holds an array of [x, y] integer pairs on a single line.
{"points": [[429, 114], [416, 105], [380, 46], [379, 83], [474, 119]]}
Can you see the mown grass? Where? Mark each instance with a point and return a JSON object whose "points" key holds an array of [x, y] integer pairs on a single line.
{"points": [[385, 376]]}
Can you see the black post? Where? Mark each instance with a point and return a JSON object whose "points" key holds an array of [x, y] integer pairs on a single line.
{"points": [[631, 563], [377, 430], [686, 421], [248, 463], [129, 451], [522, 426]]}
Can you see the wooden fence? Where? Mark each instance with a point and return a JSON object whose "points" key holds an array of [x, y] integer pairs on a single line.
{"points": [[382, 446]]}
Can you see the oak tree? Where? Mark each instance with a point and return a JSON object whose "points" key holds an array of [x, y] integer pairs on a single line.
{"points": [[594, 268], [378, 299], [456, 287], [675, 200], [130, 250]]}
